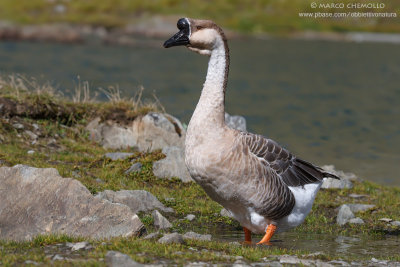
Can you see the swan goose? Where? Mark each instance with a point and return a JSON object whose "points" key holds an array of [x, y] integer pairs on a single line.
{"points": [[264, 186]]}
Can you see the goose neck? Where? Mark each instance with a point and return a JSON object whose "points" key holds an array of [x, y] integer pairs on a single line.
{"points": [[211, 106]]}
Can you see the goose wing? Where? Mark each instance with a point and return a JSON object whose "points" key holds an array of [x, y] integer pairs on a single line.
{"points": [[293, 171]]}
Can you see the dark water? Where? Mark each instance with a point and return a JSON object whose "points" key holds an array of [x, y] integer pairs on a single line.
{"points": [[327, 102]]}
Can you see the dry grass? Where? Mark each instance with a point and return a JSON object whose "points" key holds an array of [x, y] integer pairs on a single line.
{"points": [[44, 101]]}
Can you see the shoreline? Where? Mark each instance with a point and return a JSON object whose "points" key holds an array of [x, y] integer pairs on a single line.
{"points": [[140, 34]]}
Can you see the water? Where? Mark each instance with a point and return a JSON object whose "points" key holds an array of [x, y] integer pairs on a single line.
{"points": [[327, 102], [344, 246]]}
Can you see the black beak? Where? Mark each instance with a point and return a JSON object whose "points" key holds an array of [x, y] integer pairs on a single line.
{"points": [[180, 38]]}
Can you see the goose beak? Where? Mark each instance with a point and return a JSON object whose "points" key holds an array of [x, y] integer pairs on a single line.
{"points": [[180, 38]]}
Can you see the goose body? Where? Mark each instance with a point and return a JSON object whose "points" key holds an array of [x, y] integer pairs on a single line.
{"points": [[263, 185]]}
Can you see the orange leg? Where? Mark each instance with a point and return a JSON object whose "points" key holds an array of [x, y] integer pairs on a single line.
{"points": [[247, 235], [269, 233]]}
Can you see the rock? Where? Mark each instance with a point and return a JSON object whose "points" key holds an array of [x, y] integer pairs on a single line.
{"points": [[60, 9], [160, 222], [190, 217], [197, 264], [395, 223], [240, 263], [50, 204], [29, 262], [357, 196], [329, 183], [148, 133], [196, 236], [118, 155], [287, 259], [31, 135], [35, 127], [344, 215], [338, 263], [226, 213], [360, 207], [30, 152], [173, 165], [152, 236], [118, 259], [235, 122], [57, 258], [356, 221], [98, 180], [79, 246], [387, 220], [18, 126], [171, 238], [136, 200], [134, 168], [343, 175]]}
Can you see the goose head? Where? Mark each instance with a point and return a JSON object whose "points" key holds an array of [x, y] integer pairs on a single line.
{"points": [[201, 36]]}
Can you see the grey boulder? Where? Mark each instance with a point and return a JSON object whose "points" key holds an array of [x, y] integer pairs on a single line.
{"points": [[36, 201], [147, 133], [160, 222], [136, 200], [173, 165]]}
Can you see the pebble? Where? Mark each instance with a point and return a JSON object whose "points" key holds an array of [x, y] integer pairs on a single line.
{"points": [[196, 236], [330, 183], [344, 215], [395, 223], [160, 222], [35, 126], [31, 152], [51, 142], [57, 258], [30, 262], [79, 246], [190, 217], [118, 259], [356, 221], [152, 236], [98, 180], [31, 135], [360, 207], [387, 220], [171, 238], [118, 155], [357, 196], [225, 213], [18, 126], [134, 168]]}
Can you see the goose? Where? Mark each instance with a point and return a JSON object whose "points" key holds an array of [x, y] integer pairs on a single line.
{"points": [[265, 187]]}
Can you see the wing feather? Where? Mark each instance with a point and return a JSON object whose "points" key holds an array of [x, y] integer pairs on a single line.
{"points": [[292, 170]]}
